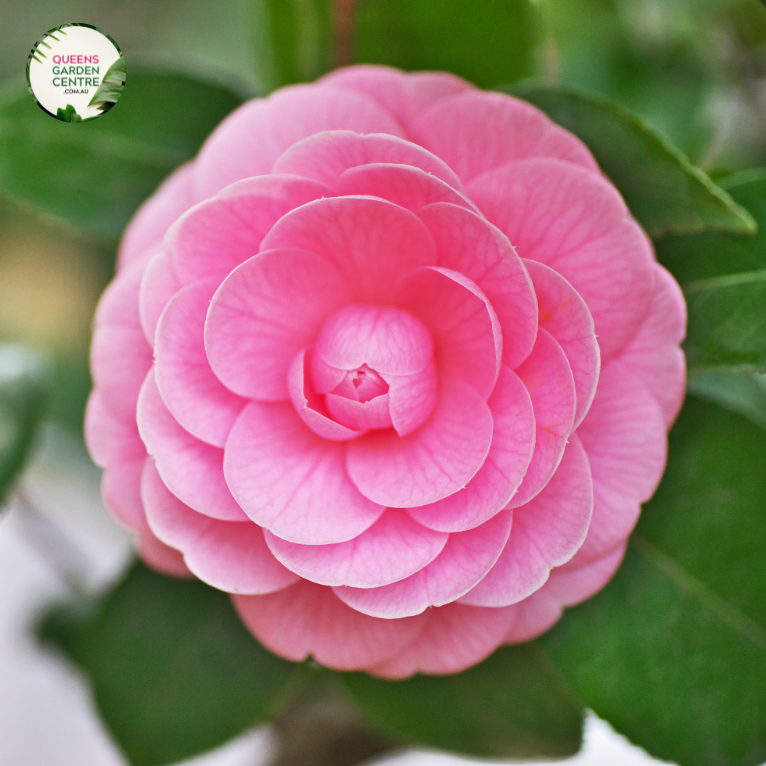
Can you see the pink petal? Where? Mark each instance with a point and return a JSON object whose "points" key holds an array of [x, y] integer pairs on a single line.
{"points": [[158, 285], [325, 157], [191, 469], [228, 555], [250, 139], [431, 463], [454, 638], [403, 94], [466, 332], [121, 492], [120, 357], [548, 378], [371, 242], [264, 313], [308, 620], [564, 314], [393, 548], [575, 222], [572, 586], [159, 556], [408, 187], [360, 415], [411, 398], [654, 353], [198, 400], [513, 441], [478, 131], [543, 609], [311, 407], [465, 559], [546, 533], [624, 436], [387, 339], [110, 439], [467, 243], [291, 481], [217, 235], [148, 226]]}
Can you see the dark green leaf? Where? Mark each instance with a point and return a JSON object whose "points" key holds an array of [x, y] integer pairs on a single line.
{"points": [[174, 671], [97, 175], [510, 706], [712, 255], [673, 652], [665, 193], [727, 322], [298, 40], [24, 383], [742, 392], [485, 41]]}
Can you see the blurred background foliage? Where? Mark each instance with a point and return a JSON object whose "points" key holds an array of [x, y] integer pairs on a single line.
{"points": [[694, 69]]}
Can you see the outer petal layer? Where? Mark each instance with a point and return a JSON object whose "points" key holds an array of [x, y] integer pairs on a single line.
{"points": [[307, 620], [228, 555], [575, 222]]}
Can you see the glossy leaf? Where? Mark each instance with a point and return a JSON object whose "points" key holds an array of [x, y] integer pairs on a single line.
{"points": [[712, 255], [742, 392], [673, 652], [174, 671], [485, 41], [509, 706], [665, 193], [727, 322], [24, 384], [97, 175]]}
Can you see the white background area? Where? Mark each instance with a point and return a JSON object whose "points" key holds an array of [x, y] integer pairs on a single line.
{"points": [[47, 717], [72, 41]]}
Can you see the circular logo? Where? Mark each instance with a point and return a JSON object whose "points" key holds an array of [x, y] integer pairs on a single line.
{"points": [[76, 72]]}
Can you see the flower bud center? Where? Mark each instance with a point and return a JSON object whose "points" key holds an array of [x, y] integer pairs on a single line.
{"points": [[361, 385]]}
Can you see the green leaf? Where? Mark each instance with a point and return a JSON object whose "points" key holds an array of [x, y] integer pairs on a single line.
{"points": [[727, 322], [24, 383], [96, 176], [673, 651], [298, 44], [485, 41], [712, 255], [665, 193], [174, 671], [112, 84], [742, 392], [509, 706]]}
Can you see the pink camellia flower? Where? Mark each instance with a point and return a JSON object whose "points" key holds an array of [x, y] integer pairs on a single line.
{"points": [[391, 363]]}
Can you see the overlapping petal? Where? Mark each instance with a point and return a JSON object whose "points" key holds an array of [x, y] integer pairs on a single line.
{"points": [[575, 222], [377, 308], [291, 481], [439, 458], [264, 313], [308, 620], [371, 242]]}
